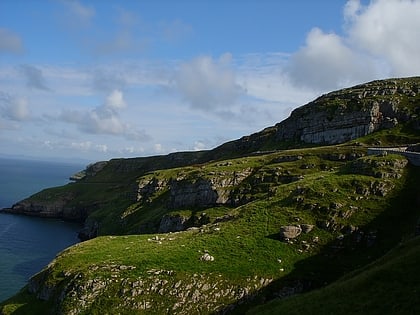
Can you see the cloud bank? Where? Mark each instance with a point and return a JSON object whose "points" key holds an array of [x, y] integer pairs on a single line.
{"points": [[380, 40], [104, 119], [208, 84]]}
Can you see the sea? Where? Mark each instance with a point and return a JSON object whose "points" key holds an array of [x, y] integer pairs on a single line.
{"points": [[28, 244]]}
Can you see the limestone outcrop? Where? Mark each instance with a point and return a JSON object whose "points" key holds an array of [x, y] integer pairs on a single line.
{"points": [[342, 115], [197, 190], [143, 294], [48, 207]]}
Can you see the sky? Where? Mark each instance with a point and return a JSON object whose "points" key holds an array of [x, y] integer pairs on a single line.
{"points": [[99, 79]]}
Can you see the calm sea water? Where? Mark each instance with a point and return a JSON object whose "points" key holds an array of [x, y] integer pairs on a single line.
{"points": [[28, 244]]}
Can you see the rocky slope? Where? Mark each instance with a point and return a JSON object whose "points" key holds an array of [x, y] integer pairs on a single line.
{"points": [[299, 219], [333, 118], [341, 116], [216, 231]]}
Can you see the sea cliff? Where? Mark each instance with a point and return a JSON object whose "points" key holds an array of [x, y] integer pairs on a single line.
{"points": [[282, 211]]}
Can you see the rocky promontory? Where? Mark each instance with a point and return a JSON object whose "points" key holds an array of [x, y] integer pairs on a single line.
{"points": [[332, 118]]}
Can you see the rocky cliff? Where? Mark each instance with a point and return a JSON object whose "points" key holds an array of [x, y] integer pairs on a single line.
{"points": [[342, 116]]}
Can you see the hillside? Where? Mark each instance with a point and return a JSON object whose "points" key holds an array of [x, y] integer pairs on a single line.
{"points": [[390, 285], [285, 210]]}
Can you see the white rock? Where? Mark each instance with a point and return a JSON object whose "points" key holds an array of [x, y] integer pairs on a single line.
{"points": [[207, 257]]}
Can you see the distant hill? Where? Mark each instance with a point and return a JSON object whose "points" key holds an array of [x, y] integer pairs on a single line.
{"points": [[286, 210]]}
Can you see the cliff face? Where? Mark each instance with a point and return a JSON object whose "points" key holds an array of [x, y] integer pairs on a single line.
{"points": [[352, 113], [49, 207], [343, 115], [194, 190]]}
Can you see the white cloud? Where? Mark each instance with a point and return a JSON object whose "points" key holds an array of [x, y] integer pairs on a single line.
{"points": [[381, 40], [101, 148], [264, 78], [82, 146], [326, 62], [198, 146], [105, 119], [10, 42], [115, 100], [14, 108], [158, 148], [388, 29], [85, 146], [351, 9], [208, 84], [34, 77]]}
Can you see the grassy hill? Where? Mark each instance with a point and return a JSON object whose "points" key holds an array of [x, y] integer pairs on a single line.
{"points": [[353, 223], [206, 232], [390, 285]]}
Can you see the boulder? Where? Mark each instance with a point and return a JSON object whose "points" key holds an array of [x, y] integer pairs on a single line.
{"points": [[172, 223], [290, 231], [306, 228], [207, 257]]}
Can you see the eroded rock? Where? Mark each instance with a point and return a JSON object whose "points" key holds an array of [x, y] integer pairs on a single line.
{"points": [[290, 231]]}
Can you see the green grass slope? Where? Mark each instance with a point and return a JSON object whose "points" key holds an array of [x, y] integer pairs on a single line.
{"points": [[390, 285], [229, 255], [154, 273]]}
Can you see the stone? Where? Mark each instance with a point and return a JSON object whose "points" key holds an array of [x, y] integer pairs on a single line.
{"points": [[172, 223], [306, 228], [290, 231], [207, 257]]}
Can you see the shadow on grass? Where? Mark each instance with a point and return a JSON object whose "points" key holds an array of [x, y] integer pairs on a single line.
{"points": [[337, 258], [24, 304]]}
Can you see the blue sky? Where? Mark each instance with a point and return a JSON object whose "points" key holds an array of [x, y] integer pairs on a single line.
{"points": [[94, 80]]}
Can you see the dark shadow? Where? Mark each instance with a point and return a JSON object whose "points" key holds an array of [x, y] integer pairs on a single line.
{"points": [[275, 236]]}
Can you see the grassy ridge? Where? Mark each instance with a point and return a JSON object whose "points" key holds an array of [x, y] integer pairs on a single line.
{"points": [[247, 248]]}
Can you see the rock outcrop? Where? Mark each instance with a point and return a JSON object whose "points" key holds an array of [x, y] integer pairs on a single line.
{"points": [[146, 293], [290, 231], [199, 190], [48, 207], [342, 115], [172, 223], [351, 113]]}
